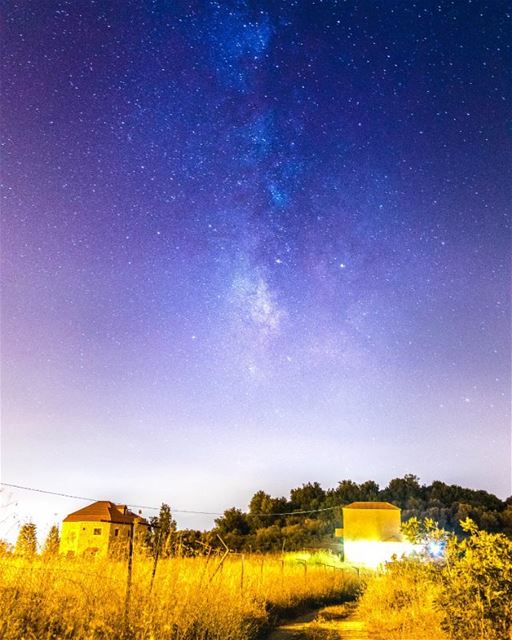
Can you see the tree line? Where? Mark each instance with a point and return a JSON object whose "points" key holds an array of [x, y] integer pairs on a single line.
{"points": [[278, 523], [258, 530], [273, 524]]}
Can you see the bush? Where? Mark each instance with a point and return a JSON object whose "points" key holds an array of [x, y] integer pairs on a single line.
{"points": [[467, 595], [476, 598], [399, 601]]}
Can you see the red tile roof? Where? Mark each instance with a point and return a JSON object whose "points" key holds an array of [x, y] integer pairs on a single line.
{"points": [[104, 511], [371, 505]]}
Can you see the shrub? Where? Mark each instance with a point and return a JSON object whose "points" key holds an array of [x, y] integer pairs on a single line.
{"points": [[476, 598], [26, 544], [399, 601], [465, 595]]}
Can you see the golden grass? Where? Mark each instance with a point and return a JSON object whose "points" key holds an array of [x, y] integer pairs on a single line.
{"points": [[398, 604], [191, 598]]}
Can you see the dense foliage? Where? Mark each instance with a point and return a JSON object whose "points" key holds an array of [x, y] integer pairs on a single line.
{"points": [[270, 524], [476, 579]]}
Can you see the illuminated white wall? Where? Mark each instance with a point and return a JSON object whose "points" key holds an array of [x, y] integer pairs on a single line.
{"points": [[373, 553]]}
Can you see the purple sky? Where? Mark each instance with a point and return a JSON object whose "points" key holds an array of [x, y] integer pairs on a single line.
{"points": [[247, 245]]}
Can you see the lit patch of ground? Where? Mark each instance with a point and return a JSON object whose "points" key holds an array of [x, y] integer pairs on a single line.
{"points": [[339, 622]]}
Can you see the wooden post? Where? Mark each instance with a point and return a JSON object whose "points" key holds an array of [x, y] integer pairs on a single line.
{"points": [[155, 560], [282, 563], [205, 565], [242, 575], [128, 584], [219, 566]]}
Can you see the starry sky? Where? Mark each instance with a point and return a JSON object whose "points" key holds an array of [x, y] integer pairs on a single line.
{"points": [[247, 245]]}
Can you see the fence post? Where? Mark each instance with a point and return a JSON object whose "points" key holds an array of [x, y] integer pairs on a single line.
{"points": [[156, 550], [219, 566], [242, 575], [282, 563], [128, 583]]}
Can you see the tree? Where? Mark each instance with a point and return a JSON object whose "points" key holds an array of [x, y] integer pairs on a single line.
{"points": [[51, 545], [232, 521], [26, 544], [439, 492], [400, 490], [165, 527], [191, 543], [309, 496], [234, 529], [347, 491], [369, 491], [506, 520], [261, 505], [269, 538]]}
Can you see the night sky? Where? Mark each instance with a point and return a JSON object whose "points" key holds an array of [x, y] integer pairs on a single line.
{"points": [[247, 245]]}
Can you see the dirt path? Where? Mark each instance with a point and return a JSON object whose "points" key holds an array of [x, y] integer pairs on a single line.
{"points": [[337, 622]]}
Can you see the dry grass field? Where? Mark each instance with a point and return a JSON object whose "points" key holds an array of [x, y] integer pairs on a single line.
{"points": [[464, 595], [190, 598], [399, 604]]}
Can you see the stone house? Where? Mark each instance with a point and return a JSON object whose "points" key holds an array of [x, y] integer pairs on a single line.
{"points": [[101, 529]]}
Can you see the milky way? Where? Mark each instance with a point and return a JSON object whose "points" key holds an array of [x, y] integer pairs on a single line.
{"points": [[252, 244]]}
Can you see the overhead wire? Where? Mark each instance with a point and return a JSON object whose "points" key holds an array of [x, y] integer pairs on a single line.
{"points": [[188, 511]]}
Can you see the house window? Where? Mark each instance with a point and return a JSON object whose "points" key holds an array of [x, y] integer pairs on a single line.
{"points": [[116, 532], [97, 532]]}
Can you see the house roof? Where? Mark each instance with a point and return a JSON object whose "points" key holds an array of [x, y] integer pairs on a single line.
{"points": [[104, 511], [371, 505]]}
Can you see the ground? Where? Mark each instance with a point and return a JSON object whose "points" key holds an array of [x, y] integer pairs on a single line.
{"points": [[339, 622]]}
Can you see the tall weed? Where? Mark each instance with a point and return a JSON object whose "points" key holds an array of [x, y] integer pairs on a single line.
{"points": [[189, 599]]}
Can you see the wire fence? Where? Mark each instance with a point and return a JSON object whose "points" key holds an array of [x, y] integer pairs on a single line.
{"points": [[138, 580]]}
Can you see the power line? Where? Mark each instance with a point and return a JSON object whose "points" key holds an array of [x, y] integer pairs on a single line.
{"points": [[190, 511], [134, 506]]}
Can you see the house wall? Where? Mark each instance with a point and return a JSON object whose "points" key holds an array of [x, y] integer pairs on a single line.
{"points": [[78, 538], [371, 524], [372, 553], [119, 544]]}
